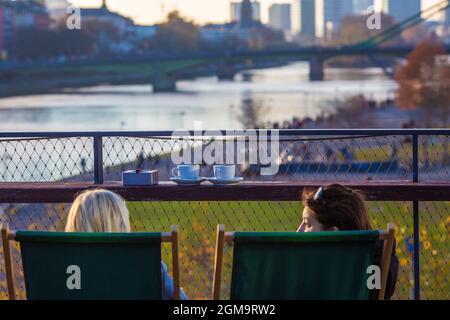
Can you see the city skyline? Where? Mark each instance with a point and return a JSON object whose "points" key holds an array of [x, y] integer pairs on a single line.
{"points": [[201, 11]]}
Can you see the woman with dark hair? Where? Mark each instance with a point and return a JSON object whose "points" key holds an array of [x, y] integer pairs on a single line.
{"points": [[338, 208]]}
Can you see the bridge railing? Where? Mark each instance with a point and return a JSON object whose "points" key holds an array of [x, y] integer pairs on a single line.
{"points": [[405, 175]]}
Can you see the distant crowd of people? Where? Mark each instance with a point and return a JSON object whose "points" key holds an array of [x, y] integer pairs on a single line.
{"points": [[294, 123], [320, 121]]}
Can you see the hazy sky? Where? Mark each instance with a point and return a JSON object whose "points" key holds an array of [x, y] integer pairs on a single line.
{"points": [[151, 11]]}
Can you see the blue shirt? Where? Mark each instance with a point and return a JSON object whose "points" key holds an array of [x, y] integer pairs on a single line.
{"points": [[167, 285]]}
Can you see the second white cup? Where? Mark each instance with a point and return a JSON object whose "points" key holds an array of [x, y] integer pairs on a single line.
{"points": [[224, 172]]}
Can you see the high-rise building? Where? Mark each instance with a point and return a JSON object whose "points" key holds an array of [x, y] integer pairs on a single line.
{"points": [[6, 32], [235, 11], [447, 16], [246, 14], [280, 16], [401, 9], [303, 17], [295, 16], [333, 13]]}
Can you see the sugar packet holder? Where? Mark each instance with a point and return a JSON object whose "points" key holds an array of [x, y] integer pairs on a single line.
{"points": [[140, 177]]}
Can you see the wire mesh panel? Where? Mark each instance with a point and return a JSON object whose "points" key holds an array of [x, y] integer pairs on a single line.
{"points": [[45, 159], [298, 157], [293, 157], [127, 153], [434, 158], [435, 250], [344, 158]]}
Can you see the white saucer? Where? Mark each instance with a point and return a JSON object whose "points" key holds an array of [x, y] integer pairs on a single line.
{"points": [[192, 182], [225, 181]]}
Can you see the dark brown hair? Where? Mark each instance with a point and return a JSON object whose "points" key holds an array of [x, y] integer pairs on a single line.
{"points": [[338, 206]]}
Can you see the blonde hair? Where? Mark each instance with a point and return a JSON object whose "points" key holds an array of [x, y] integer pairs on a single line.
{"points": [[98, 211]]}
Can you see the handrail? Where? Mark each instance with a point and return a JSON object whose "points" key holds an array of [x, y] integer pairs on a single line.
{"points": [[236, 132], [56, 192]]}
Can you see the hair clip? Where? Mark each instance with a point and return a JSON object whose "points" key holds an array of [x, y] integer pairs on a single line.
{"points": [[319, 196]]}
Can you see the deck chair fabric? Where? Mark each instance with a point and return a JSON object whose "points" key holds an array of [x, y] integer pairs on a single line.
{"points": [[109, 265], [297, 266]]}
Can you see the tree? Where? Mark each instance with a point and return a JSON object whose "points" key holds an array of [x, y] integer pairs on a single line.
{"points": [[252, 114], [104, 34], [353, 29], [261, 37], [33, 43], [352, 112], [424, 83], [176, 35]]}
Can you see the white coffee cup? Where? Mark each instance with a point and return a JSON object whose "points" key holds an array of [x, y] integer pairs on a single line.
{"points": [[224, 172], [186, 171]]}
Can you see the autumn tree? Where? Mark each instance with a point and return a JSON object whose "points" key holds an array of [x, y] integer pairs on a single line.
{"points": [[424, 83]]}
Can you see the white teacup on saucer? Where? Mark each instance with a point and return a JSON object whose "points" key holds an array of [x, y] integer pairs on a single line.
{"points": [[186, 172], [224, 172]]}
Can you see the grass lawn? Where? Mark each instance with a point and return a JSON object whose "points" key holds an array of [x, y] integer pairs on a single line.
{"points": [[435, 152]]}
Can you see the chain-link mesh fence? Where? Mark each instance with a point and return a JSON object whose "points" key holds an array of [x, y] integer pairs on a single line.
{"points": [[313, 157], [45, 159]]}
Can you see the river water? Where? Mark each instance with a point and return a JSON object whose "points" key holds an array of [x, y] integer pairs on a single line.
{"points": [[282, 93]]}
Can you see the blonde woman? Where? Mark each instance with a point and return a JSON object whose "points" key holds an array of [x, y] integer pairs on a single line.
{"points": [[104, 211]]}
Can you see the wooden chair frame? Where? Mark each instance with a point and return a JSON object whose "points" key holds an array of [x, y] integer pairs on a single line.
{"points": [[166, 237], [386, 235]]}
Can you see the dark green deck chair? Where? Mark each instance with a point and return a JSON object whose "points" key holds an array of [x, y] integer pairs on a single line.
{"points": [[91, 266], [298, 266]]}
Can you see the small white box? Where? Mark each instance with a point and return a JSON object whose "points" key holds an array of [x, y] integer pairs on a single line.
{"points": [[140, 177]]}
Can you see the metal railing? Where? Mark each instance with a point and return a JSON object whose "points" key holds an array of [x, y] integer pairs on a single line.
{"points": [[391, 155]]}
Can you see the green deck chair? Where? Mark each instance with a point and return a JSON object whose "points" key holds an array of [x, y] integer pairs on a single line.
{"points": [[88, 266], [297, 266]]}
